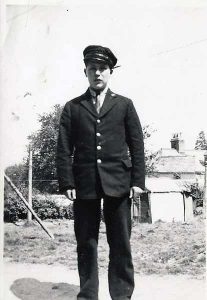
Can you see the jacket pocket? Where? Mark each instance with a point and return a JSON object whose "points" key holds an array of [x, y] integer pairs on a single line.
{"points": [[127, 163]]}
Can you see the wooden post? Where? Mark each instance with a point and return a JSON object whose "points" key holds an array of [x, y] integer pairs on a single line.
{"points": [[150, 211], [205, 190], [139, 210], [184, 212], [205, 184], [27, 205], [134, 208], [29, 214]]}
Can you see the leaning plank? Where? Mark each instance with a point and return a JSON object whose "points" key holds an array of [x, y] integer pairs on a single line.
{"points": [[28, 206]]}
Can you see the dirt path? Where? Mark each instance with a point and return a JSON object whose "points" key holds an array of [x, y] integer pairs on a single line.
{"points": [[43, 282]]}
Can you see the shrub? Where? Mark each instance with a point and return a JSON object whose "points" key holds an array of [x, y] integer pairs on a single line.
{"points": [[43, 205], [49, 209], [14, 208]]}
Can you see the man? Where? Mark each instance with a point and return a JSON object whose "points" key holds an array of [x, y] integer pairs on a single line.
{"points": [[100, 154]]}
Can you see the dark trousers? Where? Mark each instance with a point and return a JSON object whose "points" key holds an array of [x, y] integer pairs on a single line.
{"points": [[117, 215]]}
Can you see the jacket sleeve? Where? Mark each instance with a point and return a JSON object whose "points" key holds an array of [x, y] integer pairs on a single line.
{"points": [[65, 147], [135, 143]]}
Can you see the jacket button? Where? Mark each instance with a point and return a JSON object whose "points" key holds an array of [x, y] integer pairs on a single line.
{"points": [[98, 121], [98, 134], [98, 147], [99, 161]]}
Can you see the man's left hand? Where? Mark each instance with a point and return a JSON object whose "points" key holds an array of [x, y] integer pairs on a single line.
{"points": [[135, 192]]}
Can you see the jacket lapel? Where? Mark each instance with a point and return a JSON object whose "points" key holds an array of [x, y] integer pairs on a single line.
{"points": [[86, 101], [109, 101]]}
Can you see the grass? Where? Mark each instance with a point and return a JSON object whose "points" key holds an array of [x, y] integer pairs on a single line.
{"points": [[159, 248]]}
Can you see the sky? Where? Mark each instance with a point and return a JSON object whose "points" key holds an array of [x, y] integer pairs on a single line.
{"points": [[161, 47]]}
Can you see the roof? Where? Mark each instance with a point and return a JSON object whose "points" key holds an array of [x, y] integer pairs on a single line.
{"points": [[164, 185], [176, 164], [199, 154], [171, 161], [165, 152], [199, 158]]}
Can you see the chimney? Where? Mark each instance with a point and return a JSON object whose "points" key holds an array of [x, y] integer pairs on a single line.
{"points": [[177, 142]]}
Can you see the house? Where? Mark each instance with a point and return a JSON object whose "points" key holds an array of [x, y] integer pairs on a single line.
{"points": [[178, 163], [165, 199], [167, 195]]}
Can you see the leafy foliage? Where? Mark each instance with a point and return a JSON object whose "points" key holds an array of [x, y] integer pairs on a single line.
{"points": [[48, 209], [150, 157], [15, 209], [18, 174], [197, 192], [43, 143], [201, 142]]}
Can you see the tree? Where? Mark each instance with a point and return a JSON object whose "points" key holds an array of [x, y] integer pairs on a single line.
{"points": [[43, 143], [150, 156], [17, 173], [19, 176], [201, 142]]}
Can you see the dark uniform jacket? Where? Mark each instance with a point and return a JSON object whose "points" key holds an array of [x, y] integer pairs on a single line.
{"points": [[104, 148]]}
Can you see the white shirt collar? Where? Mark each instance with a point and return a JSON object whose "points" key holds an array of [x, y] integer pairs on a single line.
{"points": [[102, 93]]}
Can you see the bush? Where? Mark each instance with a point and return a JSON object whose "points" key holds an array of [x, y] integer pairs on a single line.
{"points": [[14, 208], [49, 209], [43, 205]]}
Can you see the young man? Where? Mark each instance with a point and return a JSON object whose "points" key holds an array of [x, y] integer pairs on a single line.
{"points": [[100, 154]]}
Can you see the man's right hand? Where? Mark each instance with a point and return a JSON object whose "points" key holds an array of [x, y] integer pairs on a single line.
{"points": [[70, 194]]}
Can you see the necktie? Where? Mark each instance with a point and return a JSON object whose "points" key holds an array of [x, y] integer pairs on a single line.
{"points": [[98, 103]]}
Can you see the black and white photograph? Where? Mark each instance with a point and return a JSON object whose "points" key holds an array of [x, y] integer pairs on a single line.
{"points": [[103, 153]]}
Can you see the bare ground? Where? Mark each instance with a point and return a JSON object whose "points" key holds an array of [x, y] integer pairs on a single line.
{"points": [[42, 282], [159, 248], [37, 268]]}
